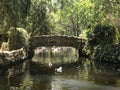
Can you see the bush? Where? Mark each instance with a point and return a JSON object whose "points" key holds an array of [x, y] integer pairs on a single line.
{"points": [[107, 56], [104, 34], [18, 38]]}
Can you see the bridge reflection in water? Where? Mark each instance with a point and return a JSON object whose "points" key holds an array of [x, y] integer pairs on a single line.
{"points": [[76, 75]]}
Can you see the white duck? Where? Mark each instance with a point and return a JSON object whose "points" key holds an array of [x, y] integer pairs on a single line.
{"points": [[59, 70]]}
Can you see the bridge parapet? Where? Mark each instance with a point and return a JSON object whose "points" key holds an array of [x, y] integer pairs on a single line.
{"points": [[52, 40]]}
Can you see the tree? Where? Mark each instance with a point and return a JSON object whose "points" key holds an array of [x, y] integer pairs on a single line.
{"points": [[104, 34], [106, 9], [38, 22], [77, 16], [12, 12]]}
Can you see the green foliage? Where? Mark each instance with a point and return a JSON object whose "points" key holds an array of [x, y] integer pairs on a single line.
{"points": [[104, 34], [38, 19], [18, 38], [107, 55], [69, 17], [77, 16], [104, 8], [12, 12]]}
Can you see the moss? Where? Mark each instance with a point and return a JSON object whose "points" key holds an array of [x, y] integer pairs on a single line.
{"points": [[18, 38]]}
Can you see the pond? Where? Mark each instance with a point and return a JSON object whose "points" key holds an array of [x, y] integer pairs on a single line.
{"points": [[76, 74]]}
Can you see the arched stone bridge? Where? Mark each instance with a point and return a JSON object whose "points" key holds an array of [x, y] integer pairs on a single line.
{"points": [[44, 40], [52, 40]]}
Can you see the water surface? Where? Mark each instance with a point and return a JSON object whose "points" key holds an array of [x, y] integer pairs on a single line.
{"points": [[77, 74]]}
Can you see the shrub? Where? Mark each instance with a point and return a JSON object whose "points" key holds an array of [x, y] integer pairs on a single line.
{"points": [[18, 38], [107, 56], [104, 34]]}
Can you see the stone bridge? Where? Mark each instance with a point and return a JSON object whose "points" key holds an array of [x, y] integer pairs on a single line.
{"points": [[58, 41], [9, 58], [52, 40]]}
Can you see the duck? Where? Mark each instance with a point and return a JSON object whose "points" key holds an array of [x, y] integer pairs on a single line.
{"points": [[59, 70]]}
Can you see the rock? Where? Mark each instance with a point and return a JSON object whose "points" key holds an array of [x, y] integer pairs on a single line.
{"points": [[7, 56]]}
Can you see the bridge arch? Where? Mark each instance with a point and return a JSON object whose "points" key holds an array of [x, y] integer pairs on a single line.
{"points": [[58, 41]]}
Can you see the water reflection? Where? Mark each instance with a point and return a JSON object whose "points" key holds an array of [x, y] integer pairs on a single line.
{"points": [[55, 55], [76, 74]]}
